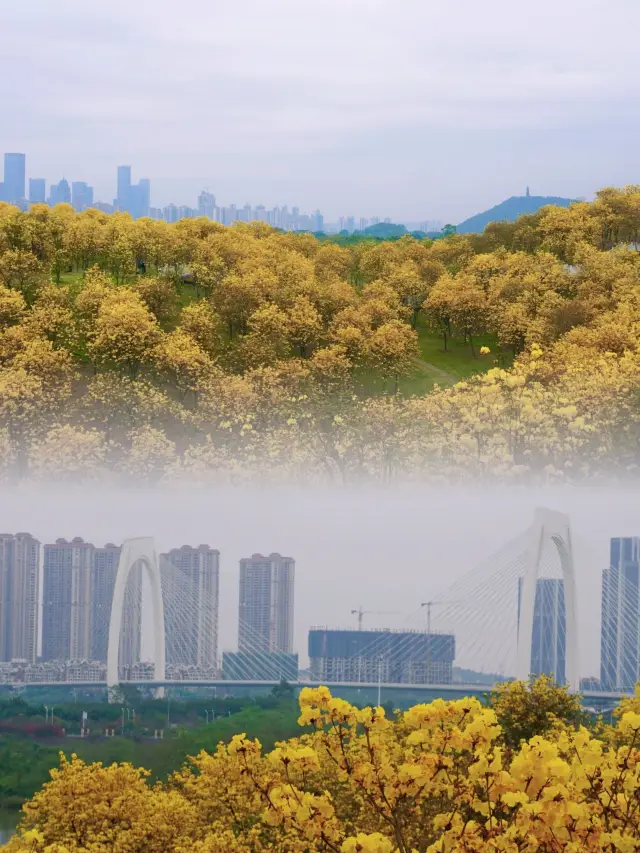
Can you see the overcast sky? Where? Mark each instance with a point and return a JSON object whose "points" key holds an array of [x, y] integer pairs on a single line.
{"points": [[414, 110], [380, 550]]}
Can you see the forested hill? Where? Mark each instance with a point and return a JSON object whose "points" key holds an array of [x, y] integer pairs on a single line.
{"points": [[509, 211]]}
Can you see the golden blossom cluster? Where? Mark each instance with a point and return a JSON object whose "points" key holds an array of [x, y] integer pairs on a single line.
{"points": [[439, 778], [147, 351]]}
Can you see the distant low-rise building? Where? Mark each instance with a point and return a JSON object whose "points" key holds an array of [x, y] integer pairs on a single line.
{"points": [[394, 657]]}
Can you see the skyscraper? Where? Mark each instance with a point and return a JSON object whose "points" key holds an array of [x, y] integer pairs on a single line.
{"points": [[14, 177], [103, 577], [548, 641], [60, 193], [81, 195], [124, 186], [206, 204], [145, 194], [19, 596], [201, 569], [134, 199], [37, 190], [66, 608], [619, 633], [266, 604]]}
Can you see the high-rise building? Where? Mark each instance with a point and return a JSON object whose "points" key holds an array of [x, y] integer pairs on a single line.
{"points": [[60, 193], [170, 213], [201, 570], [66, 606], [37, 190], [266, 604], [103, 577], [14, 177], [620, 626], [549, 636], [395, 657], [81, 195], [318, 222], [206, 204], [133, 199], [19, 596], [123, 188], [144, 197]]}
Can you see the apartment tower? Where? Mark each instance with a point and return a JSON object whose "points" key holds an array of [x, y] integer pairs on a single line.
{"points": [[266, 604], [19, 596]]}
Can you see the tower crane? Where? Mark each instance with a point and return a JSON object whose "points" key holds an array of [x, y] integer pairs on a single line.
{"points": [[360, 613]]}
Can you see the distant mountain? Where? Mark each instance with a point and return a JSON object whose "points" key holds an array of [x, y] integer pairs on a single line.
{"points": [[509, 211]]}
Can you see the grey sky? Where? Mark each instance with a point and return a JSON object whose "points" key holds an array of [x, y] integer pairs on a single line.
{"points": [[418, 109], [382, 550]]}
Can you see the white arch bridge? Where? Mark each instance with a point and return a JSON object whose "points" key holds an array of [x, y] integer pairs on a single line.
{"points": [[514, 614]]}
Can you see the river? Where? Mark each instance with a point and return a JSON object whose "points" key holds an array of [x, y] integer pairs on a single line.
{"points": [[8, 821]]}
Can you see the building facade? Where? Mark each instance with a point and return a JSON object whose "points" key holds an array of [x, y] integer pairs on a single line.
{"points": [[14, 177], [66, 606], [134, 199], [206, 204], [393, 657], [103, 577], [620, 622], [60, 193], [200, 570], [37, 190], [81, 195], [266, 608], [19, 597], [549, 636]]}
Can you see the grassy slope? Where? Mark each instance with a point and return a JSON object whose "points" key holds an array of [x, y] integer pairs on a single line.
{"points": [[438, 367]]}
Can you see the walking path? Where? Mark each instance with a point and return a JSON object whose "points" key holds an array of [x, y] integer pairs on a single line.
{"points": [[436, 373]]}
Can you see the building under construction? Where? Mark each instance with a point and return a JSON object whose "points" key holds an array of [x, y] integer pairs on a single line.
{"points": [[392, 657]]}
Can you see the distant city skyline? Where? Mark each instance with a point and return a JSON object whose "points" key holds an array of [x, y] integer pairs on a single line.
{"points": [[416, 114], [135, 199]]}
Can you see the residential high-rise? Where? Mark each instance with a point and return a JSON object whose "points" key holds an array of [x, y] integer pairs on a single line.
{"points": [[14, 177], [548, 639], [60, 193], [266, 604], [170, 213], [201, 569], [37, 190], [19, 596], [66, 606], [620, 625], [103, 577]]}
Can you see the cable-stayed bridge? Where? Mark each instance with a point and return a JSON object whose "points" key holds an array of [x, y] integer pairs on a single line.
{"points": [[514, 614]]}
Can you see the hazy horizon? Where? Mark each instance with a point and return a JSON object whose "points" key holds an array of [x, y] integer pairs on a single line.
{"points": [[418, 114], [413, 542]]}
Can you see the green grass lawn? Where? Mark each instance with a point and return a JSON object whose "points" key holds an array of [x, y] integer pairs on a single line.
{"points": [[439, 367]]}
